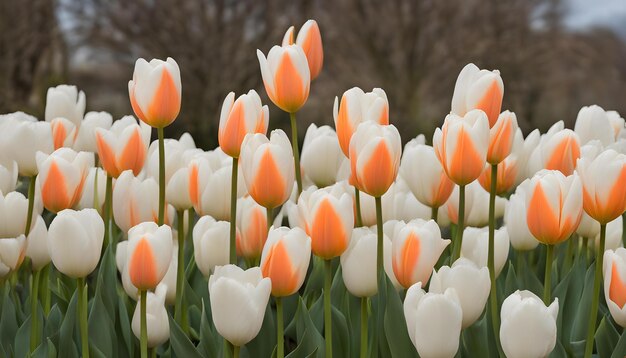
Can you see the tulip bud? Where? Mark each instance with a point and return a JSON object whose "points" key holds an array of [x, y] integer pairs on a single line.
{"points": [[476, 247], [285, 259], [424, 175], [478, 89], [375, 152], [63, 132], [515, 221], [12, 252], [322, 161], [75, 241], [211, 244], [471, 283], [121, 256], [310, 39], [124, 146], [501, 136], [560, 151], [240, 117], [416, 248], [286, 76], [177, 190], [85, 138], [356, 107], [37, 244], [14, 213], [66, 102], [433, 321], [523, 148], [238, 302], [506, 175], [252, 227], [157, 320], [592, 123], [528, 327], [61, 177], [94, 190], [461, 146], [268, 168], [553, 203], [148, 254], [21, 137], [614, 272]]}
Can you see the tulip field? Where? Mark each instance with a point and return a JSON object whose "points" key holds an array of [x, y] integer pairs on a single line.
{"points": [[478, 242]]}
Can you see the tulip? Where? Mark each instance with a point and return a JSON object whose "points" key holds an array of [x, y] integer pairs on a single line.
{"points": [[528, 325], [85, 137], [157, 322], [8, 176], [433, 321], [121, 255], [240, 117], [21, 136], [253, 226], [516, 223], [12, 252], [612, 237], [37, 245], [177, 190], [124, 146], [471, 283], [604, 185], [94, 190], [238, 302], [478, 89], [149, 254], [66, 102], [310, 39], [561, 151], [617, 124], [268, 168], [523, 148], [593, 123], [63, 132], [322, 161], [501, 137], [475, 247], [178, 154], [13, 214], [476, 208], [416, 248], [506, 174], [210, 244], [614, 271]]}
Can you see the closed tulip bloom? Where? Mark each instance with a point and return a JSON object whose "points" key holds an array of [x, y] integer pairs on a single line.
{"points": [[85, 138], [588, 227], [506, 176], [8, 175], [322, 160], [617, 124], [13, 214], [21, 137], [561, 151], [461, 146], [63, 132], [476, 247], [375, 152], [416, 248], [285, 259], [121, 256], [593, 123], [604, 185], [177, 190], [37, 244], [524, 149], [157, 319], [252, 227], [268, 168], [66, 102], [476, 205], [238, 301], [424, 175], [478, 89], [355, 108], [515, 221], [11, 254], [61, 177], [528, 327], [310, 39], [124, 146], [155, 91], [433, 321], [554, 206], [614, 272], [286, 76], [210, 244], [149, 254], [501, 137], [75, 241], [472, 285], [93, 192], [239, 117]]}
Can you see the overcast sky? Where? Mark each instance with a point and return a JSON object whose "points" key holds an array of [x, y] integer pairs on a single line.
{"points": [[582, 14]]}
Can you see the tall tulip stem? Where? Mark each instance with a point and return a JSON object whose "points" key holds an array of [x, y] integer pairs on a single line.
{"points": [[108, 198], [434, 213], [269, 217], [236, 351], [328, 336], [161, 176], [143, 340], [180, 270], [31, 203], [296, 152], [593, 314], [379, 232], [233, 211], [34, 311], [493, 297], [460, 225], [547, 281], [280, 347], [357, 203], [82, 316], [363, 352]]}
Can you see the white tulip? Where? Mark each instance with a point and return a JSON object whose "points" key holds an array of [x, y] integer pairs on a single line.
{"points": [[211, 244], [37, 244], [476, 247], [157, 320]]}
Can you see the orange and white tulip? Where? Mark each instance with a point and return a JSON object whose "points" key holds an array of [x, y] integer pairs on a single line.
{"points": [[286, 76], [239, 117], [554, 205], [94, 190], [155, 91], [356, 107], [67, 102], [285, 259], [210, 244], [614, 272], [506, 176], [375, 152], [268, 168], [252, 226], [560, 151], [461, 146], [501, 137], [310, 39], [124, 146], [62, 175], [63, 132], [149, 253], [478, 89], [85, 138], [21, 137]]}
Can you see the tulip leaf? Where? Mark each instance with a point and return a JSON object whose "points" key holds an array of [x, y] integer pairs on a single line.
{"points": [[308, 335], [579, 328], [396, 331], [67, 347], [511, 283], [125, 336], [606, 337], [180, 343], [568, 304], [100, 322], [475, 338], [620, 348], [338, 289], [316, 313], [341, 339], [208, 337], [263, 344], [558, 351], [106, 286], [22, 339], [315, 277], [8, 321], [53, 322]]}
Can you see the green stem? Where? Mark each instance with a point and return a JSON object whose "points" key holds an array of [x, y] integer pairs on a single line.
{"points": [[34, 311], [44, 292], [31, 204], [593, 315], [233, 211], [161, 176], [493, 297], [547, 284], [280, 348], [296, 152], [460, 225], [585, 249], [269, 217], [357, 203], [434, 213], [363, 352], [379, 232], [328, 336], [180, 270], [144, 326], [108, 198], [236, 351], [96, 199], [82, 316]]}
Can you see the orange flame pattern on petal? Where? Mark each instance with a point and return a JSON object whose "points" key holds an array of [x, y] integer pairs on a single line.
{"points": [[328, 238], [143, 268], [406, 263], [278, 267]]}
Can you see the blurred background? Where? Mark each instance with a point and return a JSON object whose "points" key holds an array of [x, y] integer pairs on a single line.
{"points": [[555, 56]]}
